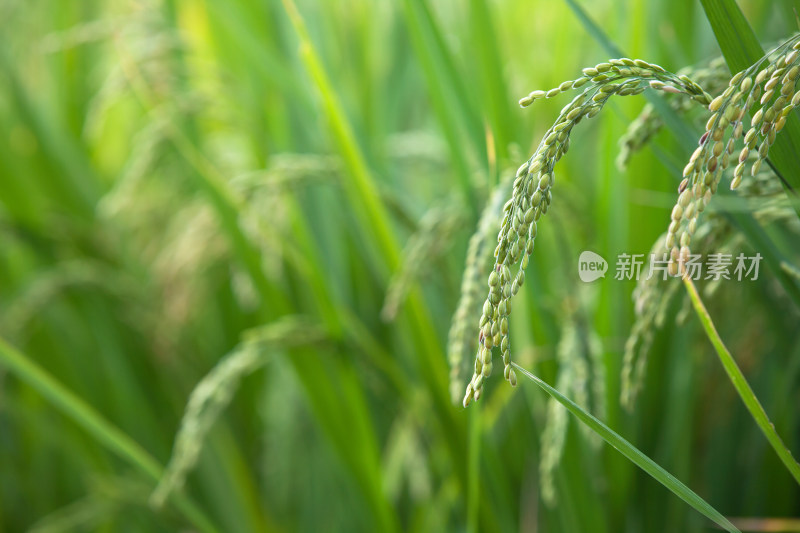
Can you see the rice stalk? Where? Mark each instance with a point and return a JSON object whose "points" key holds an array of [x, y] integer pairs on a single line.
{"points": [[740, 384]]}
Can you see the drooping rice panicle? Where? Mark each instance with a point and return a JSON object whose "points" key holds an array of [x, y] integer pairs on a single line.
{"points": [[531, 196], [214, 392], [581, 376], [597, 376], [767, 90], [653, 297]]}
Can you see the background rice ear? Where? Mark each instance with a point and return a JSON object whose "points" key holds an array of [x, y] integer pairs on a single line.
{"points": [[214, 392], [459, 339]]}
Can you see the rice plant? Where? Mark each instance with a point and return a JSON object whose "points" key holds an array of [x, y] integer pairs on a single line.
{"points": [[256, 256]]}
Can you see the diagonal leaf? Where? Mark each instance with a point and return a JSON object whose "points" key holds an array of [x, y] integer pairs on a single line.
{"points": [[634, 455], [740, 383], [106, 433], [359, 186]]}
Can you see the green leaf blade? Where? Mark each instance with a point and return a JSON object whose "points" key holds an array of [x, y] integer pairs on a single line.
{"points": [[634, 455]]}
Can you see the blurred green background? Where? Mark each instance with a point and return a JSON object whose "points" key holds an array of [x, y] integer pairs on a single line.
{"points": [[176, 173]]}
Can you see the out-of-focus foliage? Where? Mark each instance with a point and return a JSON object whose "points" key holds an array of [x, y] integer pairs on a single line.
{"points": [[178, 176]]}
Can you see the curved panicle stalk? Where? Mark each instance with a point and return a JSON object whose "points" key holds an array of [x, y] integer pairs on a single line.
{"points": [[712, 76]]}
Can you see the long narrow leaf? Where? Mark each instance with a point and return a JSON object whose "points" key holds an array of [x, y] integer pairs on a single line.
{"points": [[634, 455], [359, 185], [110, 436], [740, 383], [373, 218]]}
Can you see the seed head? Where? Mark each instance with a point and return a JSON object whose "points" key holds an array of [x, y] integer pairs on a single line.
{"points": [[766, 91], [532, 194]]}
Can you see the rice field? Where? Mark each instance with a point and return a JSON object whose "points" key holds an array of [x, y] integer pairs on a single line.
{"points": [[269, 266]]}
